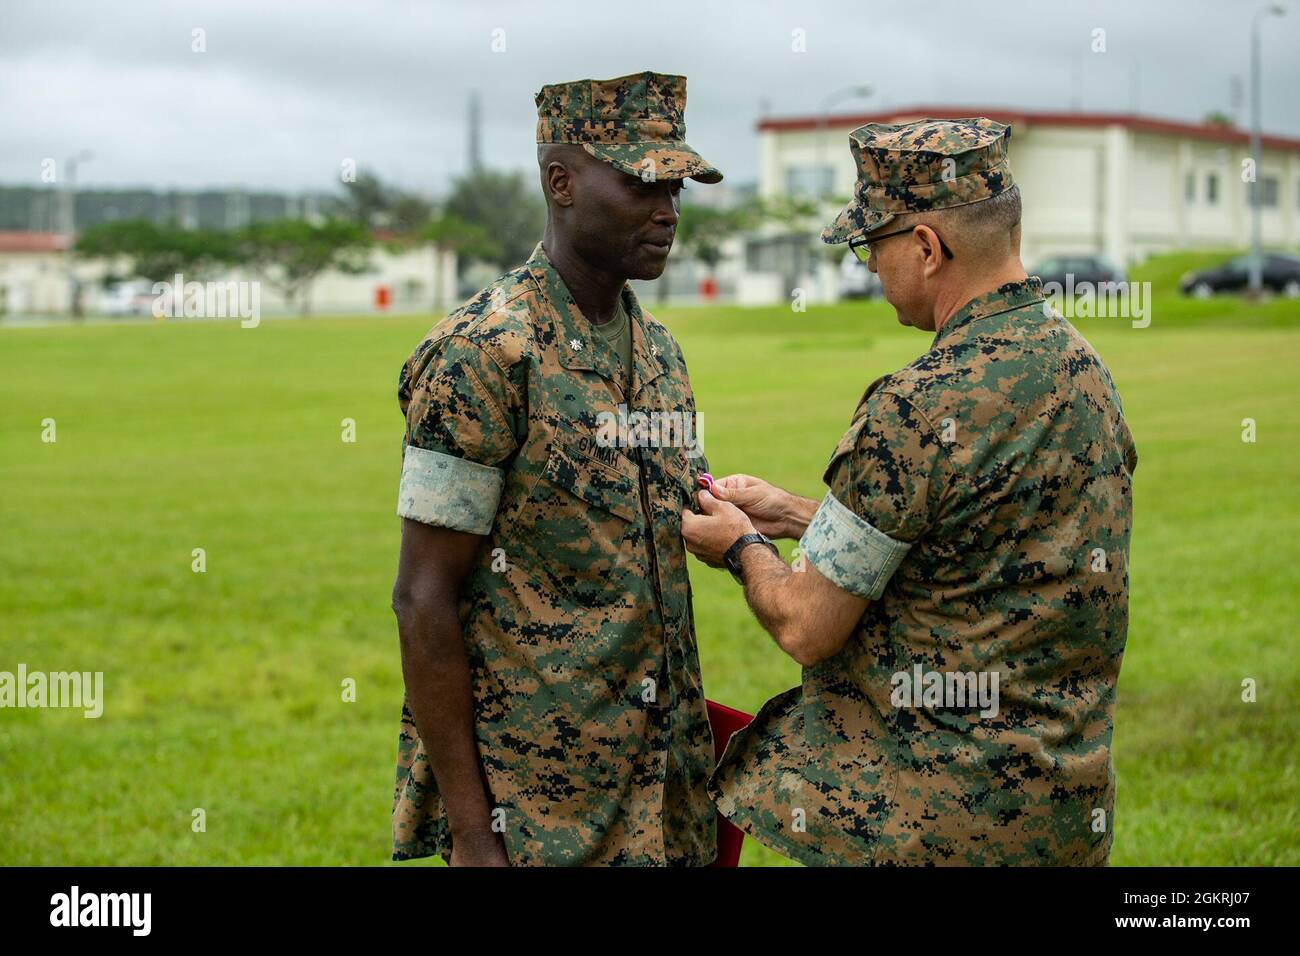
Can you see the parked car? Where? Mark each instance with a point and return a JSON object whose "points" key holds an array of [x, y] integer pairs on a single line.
{"points": [[1281, 273], [856, 280], [134, 297], [1073, 270]]}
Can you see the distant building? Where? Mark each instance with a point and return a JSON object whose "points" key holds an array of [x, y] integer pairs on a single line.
{"points": [[38, 276], [34, 276], [1118, 184]]}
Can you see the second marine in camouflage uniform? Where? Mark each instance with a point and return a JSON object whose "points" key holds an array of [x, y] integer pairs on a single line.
{"points": [[980, 502]]}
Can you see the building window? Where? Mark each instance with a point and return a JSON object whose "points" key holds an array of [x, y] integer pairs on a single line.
{"points": [[1268, 191], [787, 254], [808, 182], [1211, 188], [1189, 187]]}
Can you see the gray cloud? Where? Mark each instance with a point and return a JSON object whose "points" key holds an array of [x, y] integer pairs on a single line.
{"points": [[286, 91]]}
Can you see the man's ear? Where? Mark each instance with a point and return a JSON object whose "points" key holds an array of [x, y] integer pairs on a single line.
{"points": [[931, 251], [559, 182]]}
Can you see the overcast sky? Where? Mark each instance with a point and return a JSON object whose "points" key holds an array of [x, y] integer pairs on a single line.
{"points": [[287, 90]]}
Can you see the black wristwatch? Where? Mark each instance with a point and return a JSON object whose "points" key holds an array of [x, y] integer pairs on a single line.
{"points": [[732, 557]]}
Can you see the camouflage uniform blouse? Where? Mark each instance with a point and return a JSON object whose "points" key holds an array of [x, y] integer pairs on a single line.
{"points": [[981, 500], [589, 713]]}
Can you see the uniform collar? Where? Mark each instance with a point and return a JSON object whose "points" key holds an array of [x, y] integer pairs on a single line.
{"points": [[575, 338], [1004, 298]]}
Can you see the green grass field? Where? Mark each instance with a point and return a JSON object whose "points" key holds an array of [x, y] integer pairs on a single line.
{"points": [[223, 689]]}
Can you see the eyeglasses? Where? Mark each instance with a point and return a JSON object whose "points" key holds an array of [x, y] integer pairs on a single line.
{"points": [[862, 246]]}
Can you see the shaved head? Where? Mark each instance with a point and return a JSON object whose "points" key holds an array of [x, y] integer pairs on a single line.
{"points": [[922, 282], [984, 231]]}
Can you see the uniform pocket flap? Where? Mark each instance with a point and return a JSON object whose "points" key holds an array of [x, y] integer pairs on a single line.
{"points": [[600, 485]]}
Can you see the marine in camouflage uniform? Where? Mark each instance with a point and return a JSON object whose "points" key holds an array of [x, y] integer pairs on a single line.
{"points": [[980, 501], [588, 708]]}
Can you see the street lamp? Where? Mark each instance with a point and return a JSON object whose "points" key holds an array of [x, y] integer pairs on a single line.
{"points": [[862, 91], [70, 219], [1275, 9]]}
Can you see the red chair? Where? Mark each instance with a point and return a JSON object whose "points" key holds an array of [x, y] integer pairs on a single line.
{"points": [[725, 722]]}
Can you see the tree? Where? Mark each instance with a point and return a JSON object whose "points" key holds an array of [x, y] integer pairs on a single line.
{"points": [[791, 210], [368, 199], [701, 230], [369, 202], [291, 253], [158, 252], [409, 214], [447, 232], [506, 207], [450, 233]]}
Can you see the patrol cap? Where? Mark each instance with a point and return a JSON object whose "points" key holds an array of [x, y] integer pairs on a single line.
{"points": [[914, 167], [626, 122]]}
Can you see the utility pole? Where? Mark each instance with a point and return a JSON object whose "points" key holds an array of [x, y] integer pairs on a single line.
{"points": [[1256, 256], [475, 123], [70, 225]]}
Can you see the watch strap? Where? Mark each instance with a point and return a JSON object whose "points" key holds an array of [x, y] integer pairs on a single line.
{"points": [[732, 557]]}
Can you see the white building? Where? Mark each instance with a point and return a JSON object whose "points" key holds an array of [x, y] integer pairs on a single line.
{"points": [[34, 278], [37, 278], [1122, 185]]}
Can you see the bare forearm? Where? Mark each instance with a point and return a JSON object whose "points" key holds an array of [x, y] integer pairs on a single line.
{"points": [[768, 582], [798, 513], [809, 617], [438, 686]]}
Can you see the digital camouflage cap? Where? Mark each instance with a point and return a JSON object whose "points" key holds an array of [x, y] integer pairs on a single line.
{"points": [[636, 123], [915, 167]]}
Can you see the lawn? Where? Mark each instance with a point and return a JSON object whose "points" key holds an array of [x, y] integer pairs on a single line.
{"points": [[223, 689]]}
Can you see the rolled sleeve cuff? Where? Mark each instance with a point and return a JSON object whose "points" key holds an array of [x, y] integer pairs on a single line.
{"points": [[849, 552], [450, 492]]}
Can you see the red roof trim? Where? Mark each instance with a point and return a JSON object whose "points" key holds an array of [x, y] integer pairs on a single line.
{"points": [[1140, 124], [33, 241]]}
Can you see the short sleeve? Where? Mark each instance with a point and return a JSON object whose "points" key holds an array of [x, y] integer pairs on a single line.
{"points": [[883, 488], [461, 420]]}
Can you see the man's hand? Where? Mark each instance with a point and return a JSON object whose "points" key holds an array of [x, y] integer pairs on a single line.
{"points": [[810, 616], [709, 535], [774, 512], [481, 848]]}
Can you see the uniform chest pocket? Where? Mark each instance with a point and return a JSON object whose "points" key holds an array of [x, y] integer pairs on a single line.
{"points": [[572, 473], [578, 531]]}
